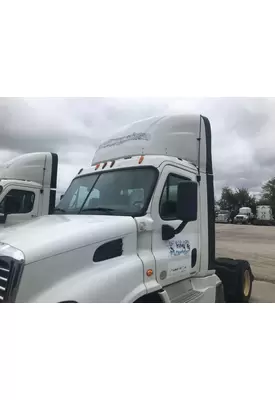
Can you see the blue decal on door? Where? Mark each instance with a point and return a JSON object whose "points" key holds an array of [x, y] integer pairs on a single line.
{"points": [[179, 247]]}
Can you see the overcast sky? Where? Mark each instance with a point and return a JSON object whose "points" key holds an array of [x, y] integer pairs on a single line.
{"points": [[243, 131]]}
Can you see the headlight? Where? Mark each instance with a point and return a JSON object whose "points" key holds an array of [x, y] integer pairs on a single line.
{"points": [[12, 263]]}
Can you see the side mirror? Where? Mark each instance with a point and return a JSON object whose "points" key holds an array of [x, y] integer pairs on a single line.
{"points": [[187, 201], [187, 208]]}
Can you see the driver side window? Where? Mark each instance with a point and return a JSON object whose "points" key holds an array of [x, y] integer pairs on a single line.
{"points": [[168, 201], [17, 202]]}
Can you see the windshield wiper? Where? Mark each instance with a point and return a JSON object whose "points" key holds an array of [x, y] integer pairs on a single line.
{"points": [[59, 209], [103, 209]]}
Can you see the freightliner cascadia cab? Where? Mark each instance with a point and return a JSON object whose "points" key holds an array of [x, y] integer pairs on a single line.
{"points": [[136, 226], [27, 187]]}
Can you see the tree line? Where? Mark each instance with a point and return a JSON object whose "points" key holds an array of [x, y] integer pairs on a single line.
{"points": [[233, 199]]}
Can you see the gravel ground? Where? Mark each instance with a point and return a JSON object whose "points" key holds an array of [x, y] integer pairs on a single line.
{"points": [[263, 292], [253, 243]]}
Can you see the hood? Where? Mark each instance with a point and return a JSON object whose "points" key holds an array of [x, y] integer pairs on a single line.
{"points": [[55, 234]]}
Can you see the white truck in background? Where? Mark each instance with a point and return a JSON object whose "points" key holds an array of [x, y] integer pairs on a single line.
{"points": [[245, 216], [27, 187], [223, 216], [136, 226], [264, 213]]}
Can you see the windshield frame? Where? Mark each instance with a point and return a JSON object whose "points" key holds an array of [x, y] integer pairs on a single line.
{"points": [[140, 213]]}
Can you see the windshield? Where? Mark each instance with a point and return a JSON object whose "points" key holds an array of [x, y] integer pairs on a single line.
{"points": [[119, 192]]}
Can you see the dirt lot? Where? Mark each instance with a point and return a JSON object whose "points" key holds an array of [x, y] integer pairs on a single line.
{"points": [[253, 243], [263, 292]]}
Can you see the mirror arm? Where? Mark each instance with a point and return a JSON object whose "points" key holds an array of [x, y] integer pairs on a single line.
{"points": [[180, 227], [168, 232]]}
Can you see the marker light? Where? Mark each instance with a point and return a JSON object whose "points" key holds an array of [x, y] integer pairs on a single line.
{"points": [[97, 166], [149, 272], [141, 159]]}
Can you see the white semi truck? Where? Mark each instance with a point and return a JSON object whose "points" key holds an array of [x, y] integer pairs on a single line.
{"points": [[264, 213], [244, 216], [27, 187], [223, 216], [136, 226]]}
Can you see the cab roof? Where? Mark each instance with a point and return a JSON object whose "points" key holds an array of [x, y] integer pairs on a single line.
{"points": [[187, 137], [40, 168]]}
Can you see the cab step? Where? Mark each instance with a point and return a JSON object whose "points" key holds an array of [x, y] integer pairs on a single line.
{"points": [[192, 296]]}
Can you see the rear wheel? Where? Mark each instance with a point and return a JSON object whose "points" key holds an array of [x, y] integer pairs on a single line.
{"points": [[244, 283], [237, 278], [247, 283]]}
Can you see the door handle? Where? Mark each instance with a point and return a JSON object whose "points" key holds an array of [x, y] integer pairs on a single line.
{"points": [[193, 258]]}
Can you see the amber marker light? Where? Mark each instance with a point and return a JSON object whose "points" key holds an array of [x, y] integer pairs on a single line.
{"points": [[141, 159]]}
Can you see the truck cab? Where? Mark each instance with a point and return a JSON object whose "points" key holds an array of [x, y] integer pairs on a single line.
{"points": [[138, 225], [223, 216], [244, 216], [27, 187]]}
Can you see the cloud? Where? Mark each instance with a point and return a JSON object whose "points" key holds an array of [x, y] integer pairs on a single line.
{"points": [[242, 129]]}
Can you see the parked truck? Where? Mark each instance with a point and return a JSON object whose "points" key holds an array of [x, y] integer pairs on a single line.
{"points": [[27, 187], [138, 225], [244, 216], [264, 213], [223, 216]]}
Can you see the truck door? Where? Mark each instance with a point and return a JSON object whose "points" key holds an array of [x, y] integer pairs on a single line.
{"points": [[178, 258], [20, 205]]}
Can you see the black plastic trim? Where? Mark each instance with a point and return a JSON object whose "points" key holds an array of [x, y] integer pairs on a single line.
{"points": [[68, 301], [14, 273], [208, 139], [54, 170], [108, 251], [210, 195], [193, 258], [52, 201]]}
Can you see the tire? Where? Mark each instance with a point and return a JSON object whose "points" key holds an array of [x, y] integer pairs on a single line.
{"points": [[237, 279], [245, 282]]}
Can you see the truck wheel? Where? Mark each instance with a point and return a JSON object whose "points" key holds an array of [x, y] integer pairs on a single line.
{"points": [[244, 283], [247, 285], [237, 279]]}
